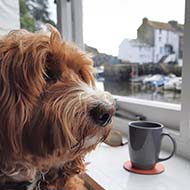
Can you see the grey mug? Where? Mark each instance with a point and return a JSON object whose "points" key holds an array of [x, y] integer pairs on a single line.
{"points": [[144, 144]]}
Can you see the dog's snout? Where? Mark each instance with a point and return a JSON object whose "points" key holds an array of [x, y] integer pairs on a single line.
{"points": [[102, 114]]}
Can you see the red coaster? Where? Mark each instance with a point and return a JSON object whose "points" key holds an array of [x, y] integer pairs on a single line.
{"points": [[159, 168]]}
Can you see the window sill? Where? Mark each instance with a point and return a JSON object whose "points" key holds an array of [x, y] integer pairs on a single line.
{"points": [[166, 113], [108, 171], [150, 103]]}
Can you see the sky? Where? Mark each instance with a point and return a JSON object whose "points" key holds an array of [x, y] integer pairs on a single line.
{"points": [[106, 23]]}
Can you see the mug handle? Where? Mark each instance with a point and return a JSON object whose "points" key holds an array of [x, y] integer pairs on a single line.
{"points": [[174, 147]]}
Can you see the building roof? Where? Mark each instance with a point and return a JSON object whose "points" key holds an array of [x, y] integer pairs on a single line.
{"points": [[171, 25], [160, 25]]}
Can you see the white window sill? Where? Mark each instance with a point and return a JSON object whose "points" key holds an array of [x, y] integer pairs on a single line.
{"points": [[166, 113], [106, 167], [151, 103]]}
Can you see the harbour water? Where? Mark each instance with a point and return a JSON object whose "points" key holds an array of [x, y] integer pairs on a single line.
{"points": [[128, 89]]}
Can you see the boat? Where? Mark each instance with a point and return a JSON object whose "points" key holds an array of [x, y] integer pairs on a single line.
{"points": [[173, 84], [155, 80], [138, 80]]}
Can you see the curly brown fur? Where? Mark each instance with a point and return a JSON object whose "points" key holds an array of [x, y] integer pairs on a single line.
{"points": [[47, 91]]}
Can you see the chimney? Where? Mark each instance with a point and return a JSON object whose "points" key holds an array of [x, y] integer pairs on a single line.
{"points": [[145, 20]]}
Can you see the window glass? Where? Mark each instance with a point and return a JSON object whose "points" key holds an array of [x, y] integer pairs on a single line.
{"points": [[137, 49]]}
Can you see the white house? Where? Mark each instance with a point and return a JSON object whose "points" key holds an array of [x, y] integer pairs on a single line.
{"points": [[9, 16], [157, 40], [137, 52]]}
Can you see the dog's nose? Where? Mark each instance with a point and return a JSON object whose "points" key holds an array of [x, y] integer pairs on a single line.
{"points": [[102, 114]]}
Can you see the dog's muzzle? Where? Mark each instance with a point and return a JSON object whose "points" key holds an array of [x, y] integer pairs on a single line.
{"points": [[102, 114]]}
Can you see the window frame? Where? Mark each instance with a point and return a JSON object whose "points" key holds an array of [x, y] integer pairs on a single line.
{"points": [[185, 104], [182, 134]]}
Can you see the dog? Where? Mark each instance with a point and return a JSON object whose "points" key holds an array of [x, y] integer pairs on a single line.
{"points": [[51, 114]]}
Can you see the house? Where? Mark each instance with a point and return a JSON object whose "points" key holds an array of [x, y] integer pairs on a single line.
{"points": [[137, 51], [165, 42]]}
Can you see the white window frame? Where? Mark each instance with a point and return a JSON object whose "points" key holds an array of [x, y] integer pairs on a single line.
{"points": [[175, 117], [69, 20], [185, 104]]}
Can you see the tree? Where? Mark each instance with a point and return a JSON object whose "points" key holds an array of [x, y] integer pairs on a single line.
{"points": [[34, 13], [26, 21], [39, 10]]}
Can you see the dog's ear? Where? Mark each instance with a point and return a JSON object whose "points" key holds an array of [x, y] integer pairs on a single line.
{"points": [[53, 66]]}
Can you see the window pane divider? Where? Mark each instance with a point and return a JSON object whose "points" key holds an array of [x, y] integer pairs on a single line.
{"points": [[185, 104]]}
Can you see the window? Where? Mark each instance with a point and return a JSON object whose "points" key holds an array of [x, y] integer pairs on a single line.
{"points": [[131, 38], [161, 50]]}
